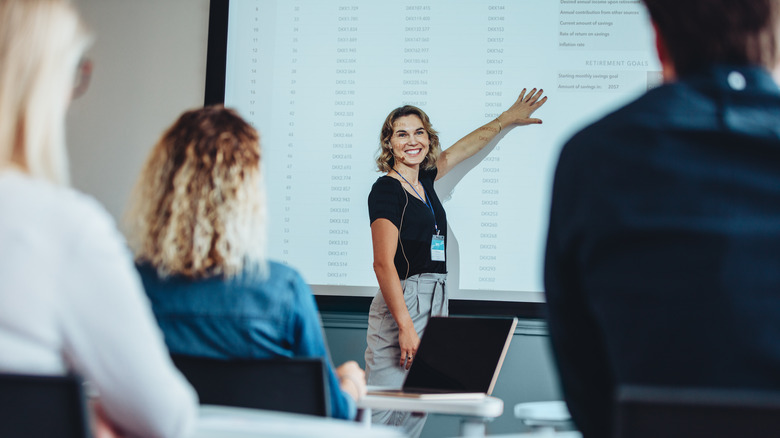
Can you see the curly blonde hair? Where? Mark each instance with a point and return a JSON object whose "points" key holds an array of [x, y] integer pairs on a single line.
{"points": [[198, 209], [386, 160]]}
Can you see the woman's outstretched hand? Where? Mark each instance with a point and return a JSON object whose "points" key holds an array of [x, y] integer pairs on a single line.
{"points": [[520, 112]]}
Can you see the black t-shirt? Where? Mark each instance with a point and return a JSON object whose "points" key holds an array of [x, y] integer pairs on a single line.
{"points": [[387, 200]]}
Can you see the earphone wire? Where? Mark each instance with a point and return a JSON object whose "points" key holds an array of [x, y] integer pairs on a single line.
{"points": [[400, 242]]}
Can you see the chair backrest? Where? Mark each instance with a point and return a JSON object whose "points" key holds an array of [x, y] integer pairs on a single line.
{"points": [[644, 412], [290, 385], [42, 406]]}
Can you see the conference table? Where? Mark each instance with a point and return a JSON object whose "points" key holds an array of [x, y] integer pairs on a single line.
{"points": [[474, 414], [231, 422]]}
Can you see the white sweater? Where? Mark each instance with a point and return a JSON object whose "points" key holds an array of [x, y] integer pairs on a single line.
{"points": [[70, 299]]}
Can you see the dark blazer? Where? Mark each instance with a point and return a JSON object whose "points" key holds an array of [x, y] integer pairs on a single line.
{"points": [[663, 253]]}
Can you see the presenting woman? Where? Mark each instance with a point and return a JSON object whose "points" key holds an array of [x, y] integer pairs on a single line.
{"points": [[409, 233], [197, 228]]}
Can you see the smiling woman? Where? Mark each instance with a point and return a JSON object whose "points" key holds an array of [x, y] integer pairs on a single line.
{"points": [[409, 140], [409, 235]]}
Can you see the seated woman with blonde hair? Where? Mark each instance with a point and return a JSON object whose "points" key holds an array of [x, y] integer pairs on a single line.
{"points": [[70, 298], [197, 227]]}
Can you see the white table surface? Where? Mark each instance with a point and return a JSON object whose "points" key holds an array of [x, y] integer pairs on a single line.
{"points": [[488, 407], [230, 422]]}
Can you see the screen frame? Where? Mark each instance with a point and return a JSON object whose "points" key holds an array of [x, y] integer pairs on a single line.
{"points": [[216, 61]]}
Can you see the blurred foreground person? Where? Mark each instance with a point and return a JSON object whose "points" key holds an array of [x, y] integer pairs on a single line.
{"points": [[664, 243], [70, 299]]}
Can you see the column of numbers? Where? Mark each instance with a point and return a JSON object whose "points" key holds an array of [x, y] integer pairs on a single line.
{"points": [[416, 54], [290, 147], [490, 168], [255, 63], [341, 157]]}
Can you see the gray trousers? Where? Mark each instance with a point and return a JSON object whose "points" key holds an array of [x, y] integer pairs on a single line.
{"points": [[425, 296]]}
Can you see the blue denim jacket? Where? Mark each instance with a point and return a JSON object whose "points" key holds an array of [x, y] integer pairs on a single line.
{"points": [[242, 318]]}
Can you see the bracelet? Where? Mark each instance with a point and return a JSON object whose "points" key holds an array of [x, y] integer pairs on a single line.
{"points": [[499, 125]]}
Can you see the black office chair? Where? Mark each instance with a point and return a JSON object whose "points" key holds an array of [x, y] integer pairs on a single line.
{"points": [[42, 407], [290, 385], [652, 412]]}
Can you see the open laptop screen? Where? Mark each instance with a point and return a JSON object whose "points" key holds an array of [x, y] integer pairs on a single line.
{"points": [[460, 355]]}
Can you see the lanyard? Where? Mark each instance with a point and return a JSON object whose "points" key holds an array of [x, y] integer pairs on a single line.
{"points": [[427, 201]]}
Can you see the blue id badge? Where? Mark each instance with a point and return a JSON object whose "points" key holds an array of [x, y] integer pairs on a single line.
{"points": [[437, 248]]}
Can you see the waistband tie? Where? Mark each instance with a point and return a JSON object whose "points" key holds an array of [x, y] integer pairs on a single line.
{"points": [[439, 300]]}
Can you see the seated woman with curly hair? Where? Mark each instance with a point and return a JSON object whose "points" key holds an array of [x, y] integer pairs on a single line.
{"points": [[197, 228]]}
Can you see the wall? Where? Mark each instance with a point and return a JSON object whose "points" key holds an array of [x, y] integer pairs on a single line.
{"points": [[149, 66], [149, 62]]}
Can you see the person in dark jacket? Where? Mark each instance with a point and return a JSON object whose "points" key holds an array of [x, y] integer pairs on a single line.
{"points": [[663, 250]]}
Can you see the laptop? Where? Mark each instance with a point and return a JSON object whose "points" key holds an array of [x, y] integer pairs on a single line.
{"points": [[458, 358]]}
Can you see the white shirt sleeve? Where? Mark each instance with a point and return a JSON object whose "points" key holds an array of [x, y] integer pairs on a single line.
{"points": [[110, 336]]}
